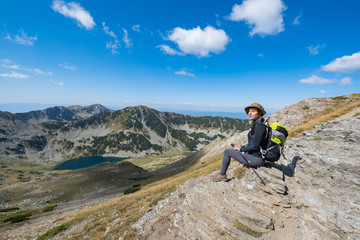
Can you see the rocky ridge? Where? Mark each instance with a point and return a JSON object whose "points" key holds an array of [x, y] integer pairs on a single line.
{"points": [[131, 132], [309, 108], [62, 114], [313, 194]]}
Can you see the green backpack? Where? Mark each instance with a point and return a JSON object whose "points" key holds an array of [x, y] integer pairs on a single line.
{"points": [[276, 138]]}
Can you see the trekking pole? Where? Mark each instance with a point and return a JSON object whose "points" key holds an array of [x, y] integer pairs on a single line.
{"points": [[262, 181]]}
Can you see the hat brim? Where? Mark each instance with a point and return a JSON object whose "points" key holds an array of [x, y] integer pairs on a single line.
{"points": [[262, 112]]}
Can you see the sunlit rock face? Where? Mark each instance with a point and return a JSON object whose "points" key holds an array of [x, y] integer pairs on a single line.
{"points": [[312, 194]]}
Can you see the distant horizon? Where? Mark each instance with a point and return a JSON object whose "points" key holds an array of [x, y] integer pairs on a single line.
{"points": [[17, 107], [28, 107]]}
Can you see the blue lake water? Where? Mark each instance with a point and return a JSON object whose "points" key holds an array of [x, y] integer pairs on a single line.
{"points": [[78, 163]]}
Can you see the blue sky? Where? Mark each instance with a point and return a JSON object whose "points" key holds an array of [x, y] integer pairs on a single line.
{"points": [[193, 55]]}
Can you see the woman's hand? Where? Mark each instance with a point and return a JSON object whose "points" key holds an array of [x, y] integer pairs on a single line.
{"points": [[237, 148]]}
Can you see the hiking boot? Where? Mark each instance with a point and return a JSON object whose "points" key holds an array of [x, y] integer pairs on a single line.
{"points": [[219, 178]]}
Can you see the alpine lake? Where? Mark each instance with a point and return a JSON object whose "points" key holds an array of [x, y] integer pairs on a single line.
{"points": [[83, 162]]}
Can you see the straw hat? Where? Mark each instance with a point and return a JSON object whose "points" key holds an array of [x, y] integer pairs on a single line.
{"points": [[258, 106]]}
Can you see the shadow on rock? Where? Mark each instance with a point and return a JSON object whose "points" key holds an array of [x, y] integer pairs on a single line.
{"points": [[288, 170]]}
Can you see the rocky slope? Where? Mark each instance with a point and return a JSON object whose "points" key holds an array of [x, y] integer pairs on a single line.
{"points": [[62, 114], [313, 194], [131, 132], [309, 108], [16, 133]]}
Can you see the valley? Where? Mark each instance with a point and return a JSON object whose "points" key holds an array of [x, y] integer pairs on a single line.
{"points": [[108, 200]]}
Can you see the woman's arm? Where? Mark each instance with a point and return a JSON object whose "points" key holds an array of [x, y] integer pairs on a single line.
{"points": [[255, 142]]}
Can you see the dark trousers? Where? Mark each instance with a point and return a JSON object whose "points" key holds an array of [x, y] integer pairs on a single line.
{"points": [[246, 159]]}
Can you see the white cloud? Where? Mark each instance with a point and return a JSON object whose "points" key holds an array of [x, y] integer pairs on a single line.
{"points": [[126, 39], [185, 103], [316, 80], [260, 55], [162, 35], [22, 38], [263, 16], [296, 20], [7, 61], [168, 50], [218, 22], [136, 28], [184, 72], [8, 37], [346, 81], [75, 11], [56, 83], [14, 75], [113, 46], [11, 65], [66, 66], [315, 50], [200, 42], [14, 66], [39, 72], [322, 91], [107, 30], [344, 64]]}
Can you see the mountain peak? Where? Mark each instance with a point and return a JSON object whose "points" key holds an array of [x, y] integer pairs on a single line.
{"points": [[62, 114]]}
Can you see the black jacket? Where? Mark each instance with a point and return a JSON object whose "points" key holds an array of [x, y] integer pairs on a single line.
{"points": [[256, 138]]}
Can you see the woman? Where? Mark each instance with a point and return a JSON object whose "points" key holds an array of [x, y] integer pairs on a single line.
{"points": [[249, 155]]}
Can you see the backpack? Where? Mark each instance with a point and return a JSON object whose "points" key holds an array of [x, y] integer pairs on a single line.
{"points": [[276, 137]]}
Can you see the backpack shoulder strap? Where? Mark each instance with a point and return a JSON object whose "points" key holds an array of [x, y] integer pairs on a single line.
{"points": [[266, 123]]}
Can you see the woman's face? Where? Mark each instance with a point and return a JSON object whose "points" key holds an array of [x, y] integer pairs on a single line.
{"points": [[253, 113]]}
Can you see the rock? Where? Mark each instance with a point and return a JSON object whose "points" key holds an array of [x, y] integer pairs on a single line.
{"points": [[315, 194], [306, 109]]}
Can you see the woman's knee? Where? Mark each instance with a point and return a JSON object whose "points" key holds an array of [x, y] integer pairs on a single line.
{"points": [[228, 151]]}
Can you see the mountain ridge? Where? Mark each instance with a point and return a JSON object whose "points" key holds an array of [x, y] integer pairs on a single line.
{"points": [[310, 108], [130, 132], [313, 194], [61, 113]]}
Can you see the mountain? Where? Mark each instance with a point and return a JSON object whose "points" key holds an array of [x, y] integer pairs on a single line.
{"points": [[130, 132], [312, 194], [62, 114]]}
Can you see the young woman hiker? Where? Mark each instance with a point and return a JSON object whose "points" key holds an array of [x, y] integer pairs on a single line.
{"points": [[249, 155]]}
